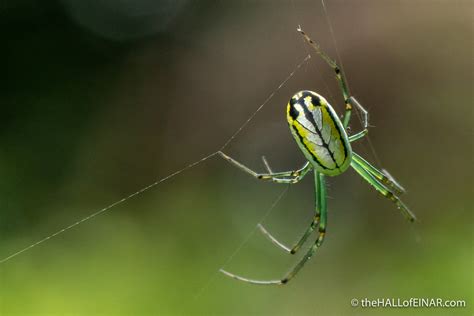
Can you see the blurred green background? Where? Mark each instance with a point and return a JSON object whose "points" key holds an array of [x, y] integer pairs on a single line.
{"points": [[100, 99]]}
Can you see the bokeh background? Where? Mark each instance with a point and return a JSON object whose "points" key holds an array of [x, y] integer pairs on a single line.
{"points": [[101, 98]]}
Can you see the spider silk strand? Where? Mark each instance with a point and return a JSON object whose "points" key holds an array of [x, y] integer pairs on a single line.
{"points": [[333, 36], [161, 180], [244, 242]]}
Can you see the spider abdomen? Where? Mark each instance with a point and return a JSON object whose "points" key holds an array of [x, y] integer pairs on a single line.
{"points": [[319, 133]]}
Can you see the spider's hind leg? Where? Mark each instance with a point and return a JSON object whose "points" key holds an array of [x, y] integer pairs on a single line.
{"points": [[383, 176], [294, 249], [321, 197], [314, 223], [368, 176], [273, 239]]}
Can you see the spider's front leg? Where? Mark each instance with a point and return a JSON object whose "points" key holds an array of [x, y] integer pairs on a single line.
{"points": [[285, 177], [349, 100], [365, 120]]}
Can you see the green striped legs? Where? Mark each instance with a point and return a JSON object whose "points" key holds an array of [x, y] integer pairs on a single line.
{"points": [[321, 212], [321, 197], [285, 177], [384, 184]]}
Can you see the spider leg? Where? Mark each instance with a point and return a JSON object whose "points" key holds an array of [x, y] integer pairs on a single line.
{"points": [[339, 75], [321, 192], [277, 177], [294, 249], [307, 233], [392, 179], [267, 166], [258, 282], [305, 236], [383, 176], [348, 99], [382, 189], [365, 120], [273, 239]]}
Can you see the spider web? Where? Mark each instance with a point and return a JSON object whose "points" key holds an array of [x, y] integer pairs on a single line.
{"points": [[163, 179], [339, 60]]}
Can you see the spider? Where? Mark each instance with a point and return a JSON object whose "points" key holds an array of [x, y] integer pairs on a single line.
{"points": [[323, 139]]}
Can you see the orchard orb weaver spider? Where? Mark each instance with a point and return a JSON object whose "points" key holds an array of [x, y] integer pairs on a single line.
{"points": [[323, 139]]}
